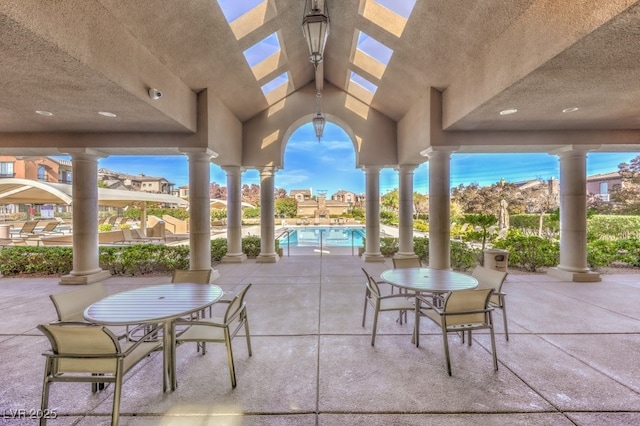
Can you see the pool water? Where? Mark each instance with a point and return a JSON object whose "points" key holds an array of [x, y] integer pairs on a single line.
{"points": [[332, 236]]}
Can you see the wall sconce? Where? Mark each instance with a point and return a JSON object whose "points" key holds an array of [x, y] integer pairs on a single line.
{"points": [[315, 26]]}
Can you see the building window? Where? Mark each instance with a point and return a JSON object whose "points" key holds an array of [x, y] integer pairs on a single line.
{"points": [[42, 172], [604, 188], [6, 169], [64, 176]]}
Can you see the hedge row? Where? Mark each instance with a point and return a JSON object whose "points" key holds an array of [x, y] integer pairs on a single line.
{"points": [[135, 259]]}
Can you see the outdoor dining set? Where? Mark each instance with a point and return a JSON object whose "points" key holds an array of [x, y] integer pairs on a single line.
{"points": [[98, 337]]}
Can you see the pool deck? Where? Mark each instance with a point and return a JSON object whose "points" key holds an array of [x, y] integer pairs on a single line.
{"points": [[572, 357]]}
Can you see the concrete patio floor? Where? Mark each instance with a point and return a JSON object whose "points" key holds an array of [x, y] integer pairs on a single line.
{"points": [[572, 357]]}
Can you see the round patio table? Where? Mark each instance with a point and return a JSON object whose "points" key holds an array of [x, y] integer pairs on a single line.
{"points": [[158, 304], [428, 280]]}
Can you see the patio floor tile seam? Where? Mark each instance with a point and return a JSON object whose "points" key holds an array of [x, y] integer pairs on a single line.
{"points": [[591, 367]]}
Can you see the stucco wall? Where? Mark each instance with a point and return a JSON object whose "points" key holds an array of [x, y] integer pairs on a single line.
{"points": [[372, 134]]}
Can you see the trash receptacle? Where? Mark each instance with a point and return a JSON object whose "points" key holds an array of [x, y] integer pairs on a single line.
{"points": [[496, 259], [5, 231]]}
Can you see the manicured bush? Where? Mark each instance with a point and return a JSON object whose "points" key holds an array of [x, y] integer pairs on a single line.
{"points": [[529, 252], [388, 246], [613, 227], [463, 257], [601, 253], [251, 246], [36, 260], [218, 249], [421, 247]]}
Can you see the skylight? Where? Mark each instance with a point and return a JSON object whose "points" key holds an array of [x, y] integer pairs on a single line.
{"points": [[361, 88], [371, 55], [374, 48], [277, 89], [262, 50], [246, 16], [233, 9], [366, 84], [399, 7], [392, 15], [280, 80]]}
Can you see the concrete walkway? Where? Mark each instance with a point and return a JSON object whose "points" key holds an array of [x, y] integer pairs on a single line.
{"points": [[572, 357]]}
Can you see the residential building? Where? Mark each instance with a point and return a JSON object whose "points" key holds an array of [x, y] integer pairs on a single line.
{"points": [[601, 185], [44, 169], [117, 180]]}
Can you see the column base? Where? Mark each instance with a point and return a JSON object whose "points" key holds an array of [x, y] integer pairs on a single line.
{"points": [[84, 279], [234, 258], [373, 257], [585, 277], [267, 258]]}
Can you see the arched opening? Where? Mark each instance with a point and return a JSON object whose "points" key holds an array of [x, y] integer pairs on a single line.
{"points": [[323, 208]]}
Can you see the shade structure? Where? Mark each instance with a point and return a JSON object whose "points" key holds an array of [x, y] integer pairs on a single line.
{"points": [[25, 191], [217, 203]]}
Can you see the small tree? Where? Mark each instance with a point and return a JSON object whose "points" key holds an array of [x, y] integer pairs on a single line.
{"points": [[483, 221]]}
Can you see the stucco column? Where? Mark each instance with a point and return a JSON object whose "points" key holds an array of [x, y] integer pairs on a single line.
{"points": [[267, 216], [405, 225], [573, 217], [372, 214], [200, 210], [234, 215], [439, 209], [86, 265]]}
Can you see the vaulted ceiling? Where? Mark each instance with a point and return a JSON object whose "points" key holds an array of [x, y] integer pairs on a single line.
{"points": [[541, 57]]}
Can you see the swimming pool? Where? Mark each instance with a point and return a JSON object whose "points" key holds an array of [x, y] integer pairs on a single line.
{"points": [[329, 236]]}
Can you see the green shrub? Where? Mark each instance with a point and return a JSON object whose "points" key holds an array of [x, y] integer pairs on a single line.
{"points": [[613, 227], [251, 212], [463, 257], [36, 260], [251, 246], [529, 252], [105, 227], [421, 247], [601, 253], [628, 251], [218, 249], [421, 225], [388, 246]]}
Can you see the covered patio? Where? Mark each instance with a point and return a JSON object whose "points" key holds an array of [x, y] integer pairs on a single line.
{"points": [[571, 358]]}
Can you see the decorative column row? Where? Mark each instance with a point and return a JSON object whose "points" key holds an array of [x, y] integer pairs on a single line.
{"points": [[200, 210], [573, 217], [372, 215], [86, 266], [439, 209], [267, 216], [405, 220], [234, 215]]}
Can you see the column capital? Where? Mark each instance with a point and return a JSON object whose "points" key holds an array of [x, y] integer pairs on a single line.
{"points": [[569, 150], [267, 170], [231, 170], [406, 168], [433, 151], [84, 153], [195, 152], [372, 169]]}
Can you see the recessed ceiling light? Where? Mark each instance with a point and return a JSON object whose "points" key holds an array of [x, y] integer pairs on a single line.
{"points": [[45, 113], [572, 109], [508, 111], [107, 114]]}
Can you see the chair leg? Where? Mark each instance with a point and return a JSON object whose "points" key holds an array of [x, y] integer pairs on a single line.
{"points": [[364, 311], [246, 332], [493, 344], [504, 320], [446, 348], [45, 391], [375, 325], [117, 393], [232, 368]]}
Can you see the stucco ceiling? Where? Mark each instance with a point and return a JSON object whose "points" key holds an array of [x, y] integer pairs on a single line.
{"points": [[538, 56]]}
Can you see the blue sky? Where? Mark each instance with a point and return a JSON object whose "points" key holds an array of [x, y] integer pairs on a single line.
{"points": [[330, 165]]}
